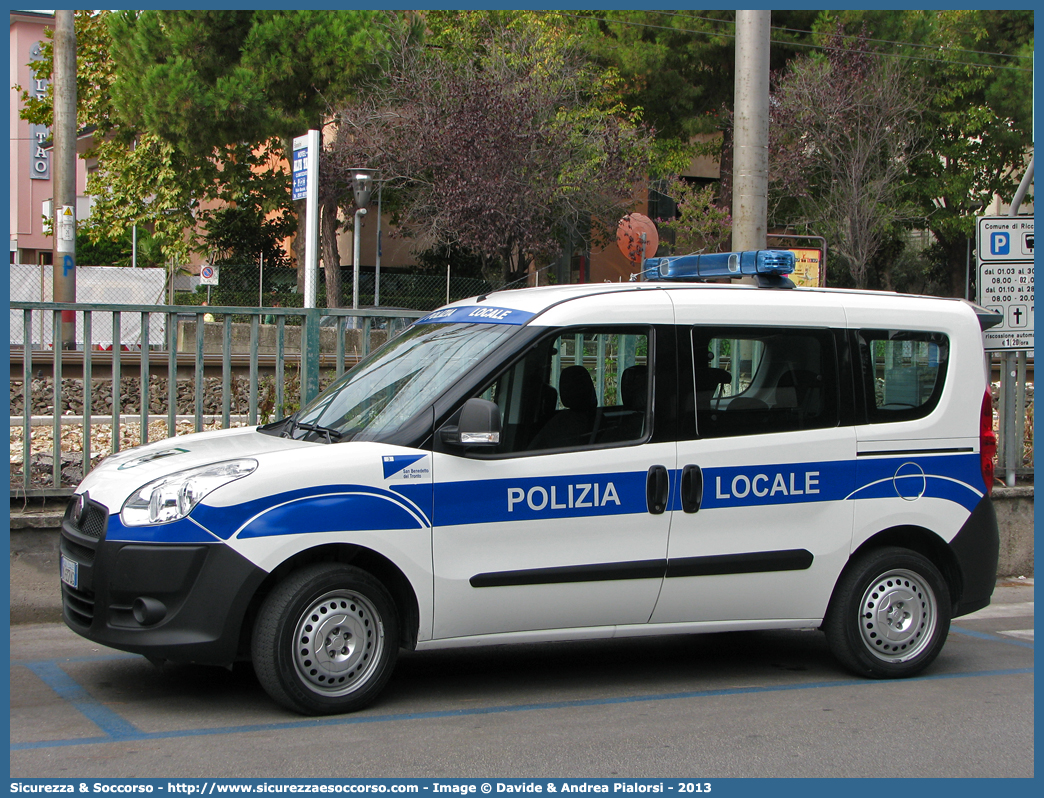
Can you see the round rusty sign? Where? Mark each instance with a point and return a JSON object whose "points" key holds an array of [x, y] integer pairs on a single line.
{"points": [[629, 236]]}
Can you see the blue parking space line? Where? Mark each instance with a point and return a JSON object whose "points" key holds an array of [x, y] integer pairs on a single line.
{"points": [[457, 713], [70, 660], [1011, 641], [69, 690]]}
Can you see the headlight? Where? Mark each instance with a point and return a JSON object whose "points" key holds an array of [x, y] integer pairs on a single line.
{"points": [[173, 496]]}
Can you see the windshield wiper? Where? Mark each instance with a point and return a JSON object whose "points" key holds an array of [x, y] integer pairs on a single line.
{"points": [[330, 433]]}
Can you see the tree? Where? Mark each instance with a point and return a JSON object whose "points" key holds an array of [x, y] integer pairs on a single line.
{"points": [[241, 234], [203, 80], [679, 68], [845, 129], [101, 252], [981, 119], [698, 225], [978, 67], [200, 106], [143, 179], [504, 146]]}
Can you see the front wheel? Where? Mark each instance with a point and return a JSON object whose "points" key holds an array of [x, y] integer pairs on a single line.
{"points": [[326, 639], [889, 615]]}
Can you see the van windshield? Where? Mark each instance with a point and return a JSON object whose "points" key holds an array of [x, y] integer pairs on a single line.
{"points": [[389, 387]]}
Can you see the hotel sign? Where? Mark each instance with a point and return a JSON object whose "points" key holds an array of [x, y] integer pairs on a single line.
{"points": [[39, 158]]}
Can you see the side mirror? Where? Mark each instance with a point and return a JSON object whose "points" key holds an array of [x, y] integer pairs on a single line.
{"points": [[478, 424]]}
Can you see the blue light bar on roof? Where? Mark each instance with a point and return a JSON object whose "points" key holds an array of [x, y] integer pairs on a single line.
{"points": [[767, 266]]}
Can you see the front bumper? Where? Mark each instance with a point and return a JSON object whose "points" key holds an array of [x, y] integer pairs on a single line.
{"points": [[179, 602]]}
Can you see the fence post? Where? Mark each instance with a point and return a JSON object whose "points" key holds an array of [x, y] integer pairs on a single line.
{"points": [[310, 355], [1012, 445]]}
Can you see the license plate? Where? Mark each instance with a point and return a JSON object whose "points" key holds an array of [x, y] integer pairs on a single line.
{"points": [[70, 571]]}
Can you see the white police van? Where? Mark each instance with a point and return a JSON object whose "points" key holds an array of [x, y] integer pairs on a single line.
{"points": [[581, 461]]}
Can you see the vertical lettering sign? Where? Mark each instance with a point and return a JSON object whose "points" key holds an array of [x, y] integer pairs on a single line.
{"points": [[300, 168], [39, 159]]}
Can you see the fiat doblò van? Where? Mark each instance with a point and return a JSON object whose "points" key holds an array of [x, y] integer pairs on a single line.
{"points": [[581, 461]]}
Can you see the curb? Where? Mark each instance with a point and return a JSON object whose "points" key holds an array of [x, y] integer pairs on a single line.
{"points": [[38, 520]]}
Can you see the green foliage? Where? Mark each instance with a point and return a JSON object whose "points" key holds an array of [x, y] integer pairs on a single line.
{"points": [[846, 128], [196, 107], [504, 139], [242, 233], [94, 248], [679, 68], [204, 79], [462, 262], [102, 252], [977, 65], [699, 225], [94, 75], [193, 108]]}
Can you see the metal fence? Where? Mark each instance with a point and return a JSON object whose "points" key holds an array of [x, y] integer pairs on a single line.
{"points": [[100, 398], [139, 373], [1012, 387], [249, 285]]}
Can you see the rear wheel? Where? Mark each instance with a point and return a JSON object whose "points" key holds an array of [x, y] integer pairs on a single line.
{"points": [[889, 615], [326, 639]]}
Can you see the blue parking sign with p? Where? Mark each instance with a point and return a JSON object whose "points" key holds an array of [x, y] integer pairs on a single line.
{"points": [[1000, 243]]}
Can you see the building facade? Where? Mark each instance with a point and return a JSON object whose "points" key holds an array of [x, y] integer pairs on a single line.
{"points": [[30, 166]]}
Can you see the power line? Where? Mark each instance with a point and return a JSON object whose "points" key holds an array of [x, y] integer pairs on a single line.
{"points": [[649, 26], [853, 37]]}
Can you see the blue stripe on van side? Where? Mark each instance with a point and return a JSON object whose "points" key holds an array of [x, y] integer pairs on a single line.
{"points": [[182, 531], [528, 498], [336, 508], [953, 477], [325, 508]]}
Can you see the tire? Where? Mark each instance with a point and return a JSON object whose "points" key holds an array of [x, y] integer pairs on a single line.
{"points": [[889, 615], [353, 618]]}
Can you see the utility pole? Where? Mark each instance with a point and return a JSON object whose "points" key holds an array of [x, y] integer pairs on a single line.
{"points": [[64, 131], [750, 146]]}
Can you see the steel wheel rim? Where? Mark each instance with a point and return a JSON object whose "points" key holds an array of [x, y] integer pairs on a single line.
{"points": [[338, 642], [897, 616]]}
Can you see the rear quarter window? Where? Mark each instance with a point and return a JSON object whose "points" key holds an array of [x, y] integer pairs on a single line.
{"points": [[903, 373]]}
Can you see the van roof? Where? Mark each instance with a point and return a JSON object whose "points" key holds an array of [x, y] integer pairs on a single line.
{"points": [[536, 300]]}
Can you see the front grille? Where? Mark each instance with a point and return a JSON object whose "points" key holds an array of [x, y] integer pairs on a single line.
{"points": [[81, 536], [79, 605], [78, 552], [94, 521]]}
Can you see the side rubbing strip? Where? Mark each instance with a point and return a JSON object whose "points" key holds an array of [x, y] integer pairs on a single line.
{"points": [[901, 452], [602, 572], [753, 563]]}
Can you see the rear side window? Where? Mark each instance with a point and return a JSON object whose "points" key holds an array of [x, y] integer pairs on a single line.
{"points": [[903, 373], [758, 380]]}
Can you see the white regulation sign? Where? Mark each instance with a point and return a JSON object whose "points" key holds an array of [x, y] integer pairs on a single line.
{"points": [[1005, 257], [209, 275]]}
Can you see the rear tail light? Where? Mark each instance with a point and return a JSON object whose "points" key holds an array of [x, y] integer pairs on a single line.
{"points": [[987, 441]]}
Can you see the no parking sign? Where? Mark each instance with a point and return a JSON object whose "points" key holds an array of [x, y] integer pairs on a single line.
{"points": [[208, 275]]}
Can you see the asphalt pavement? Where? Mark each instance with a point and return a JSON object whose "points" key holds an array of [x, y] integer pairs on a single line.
{"points": [[759, 704]]}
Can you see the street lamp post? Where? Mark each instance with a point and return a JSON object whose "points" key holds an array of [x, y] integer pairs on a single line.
{"points": [[362, 187]]}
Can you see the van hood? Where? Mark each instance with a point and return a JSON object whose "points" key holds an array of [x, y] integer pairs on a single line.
{"points": [[113, 480]]}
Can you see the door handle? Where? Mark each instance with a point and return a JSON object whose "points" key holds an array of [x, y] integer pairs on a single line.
{"points": [[691, 488], [656, 489]]}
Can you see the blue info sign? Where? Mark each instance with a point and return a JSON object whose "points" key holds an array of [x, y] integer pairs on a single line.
{"points": [[300, 172]]}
